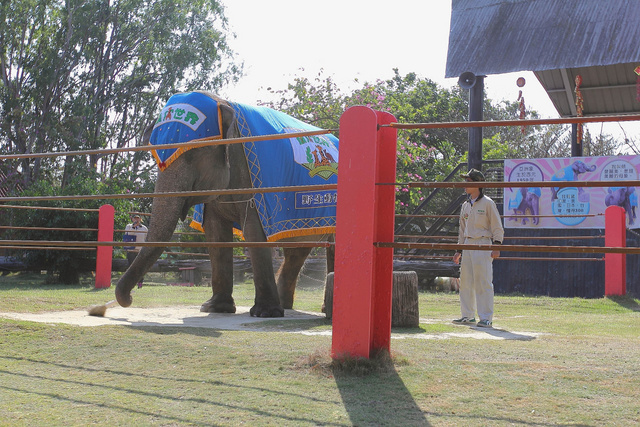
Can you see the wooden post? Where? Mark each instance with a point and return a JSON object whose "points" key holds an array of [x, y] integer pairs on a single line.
{"points": [[615, 265], [365, 213], [405, 311], [104, 254]]}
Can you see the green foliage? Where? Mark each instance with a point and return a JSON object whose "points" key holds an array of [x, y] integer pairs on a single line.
{"points": [[65, 266], [88, 75], [430, 155]]}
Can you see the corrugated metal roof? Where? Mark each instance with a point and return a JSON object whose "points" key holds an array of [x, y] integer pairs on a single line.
{"points": [[494, 37], [609, 89], [557, 39]]}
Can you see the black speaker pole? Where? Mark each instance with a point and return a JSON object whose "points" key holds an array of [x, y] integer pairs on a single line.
{"points": [[476, 102], [576, 149]]}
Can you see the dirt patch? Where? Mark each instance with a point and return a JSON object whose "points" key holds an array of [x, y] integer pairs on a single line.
{"points": [[190, 316], [186, 316]]}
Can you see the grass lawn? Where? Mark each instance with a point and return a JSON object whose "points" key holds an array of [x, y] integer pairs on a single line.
{"points": [[577, 363]]}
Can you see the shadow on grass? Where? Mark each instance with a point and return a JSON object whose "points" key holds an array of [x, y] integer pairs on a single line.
{"points": [[109, 383], [504, 334], [626, 302], [373, 392]]}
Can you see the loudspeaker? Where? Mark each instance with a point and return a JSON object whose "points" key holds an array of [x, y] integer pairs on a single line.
{"points": [[467, 80]]}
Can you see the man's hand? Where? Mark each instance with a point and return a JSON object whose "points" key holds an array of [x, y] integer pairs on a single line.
{"points": [[456, 257]]}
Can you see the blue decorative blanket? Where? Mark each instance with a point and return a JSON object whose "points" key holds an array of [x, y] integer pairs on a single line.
{"points": [[185, 117], [309, 160], [297, 161]]}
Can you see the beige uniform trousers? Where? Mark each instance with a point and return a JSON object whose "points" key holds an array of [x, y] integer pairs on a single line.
{"points": [[476, 287]]}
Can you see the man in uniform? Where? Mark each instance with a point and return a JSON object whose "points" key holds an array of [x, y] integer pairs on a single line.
{"points": [[480, 224], [135, 232]]}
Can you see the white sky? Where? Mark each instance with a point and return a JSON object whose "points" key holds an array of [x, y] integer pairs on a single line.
{"points": [[355, 39]]}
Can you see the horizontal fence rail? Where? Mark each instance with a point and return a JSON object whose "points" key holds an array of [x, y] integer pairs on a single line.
{"points": [[52, 208], [516, 184], [28, 244], [196, 143], [512, 248], [177, 193], [516, 122], [7, 227]]}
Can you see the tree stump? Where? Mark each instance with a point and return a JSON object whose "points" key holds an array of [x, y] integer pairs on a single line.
{"points": [[404, 304]]}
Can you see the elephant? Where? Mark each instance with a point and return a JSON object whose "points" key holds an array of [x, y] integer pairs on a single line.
{"points": [[624, 197], [210, 168], [527, 199], [570, 173]]}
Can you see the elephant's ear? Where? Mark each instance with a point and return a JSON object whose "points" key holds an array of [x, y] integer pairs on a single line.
{"points": [[229, 125]]}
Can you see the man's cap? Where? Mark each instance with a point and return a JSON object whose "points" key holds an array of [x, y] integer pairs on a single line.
{"points": [[136, 216], [473, 175]]}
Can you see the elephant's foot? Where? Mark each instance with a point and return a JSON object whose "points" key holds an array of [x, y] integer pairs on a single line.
{"points": [[123, 296], [219, 304], [260, 310]]}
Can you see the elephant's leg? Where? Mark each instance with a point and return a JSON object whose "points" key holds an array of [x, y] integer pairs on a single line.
{"points": [[164, 218], [331, 263], [627, 207], [288, 274], [134, 274], [331, 257], [267, 303], [535, 208], [219, 230]]}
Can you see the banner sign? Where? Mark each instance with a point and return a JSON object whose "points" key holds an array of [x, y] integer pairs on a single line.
{"points": [[569, 207]]}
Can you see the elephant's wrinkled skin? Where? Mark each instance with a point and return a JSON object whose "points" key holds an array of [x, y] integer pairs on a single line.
{"points": [[210, 168]]}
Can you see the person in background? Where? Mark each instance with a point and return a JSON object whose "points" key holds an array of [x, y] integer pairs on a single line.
{"points": [[135, 232], [480, 224]]}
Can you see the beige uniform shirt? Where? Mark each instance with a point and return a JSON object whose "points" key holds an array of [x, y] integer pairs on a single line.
{"points": [[480, 219], [140, 233]]}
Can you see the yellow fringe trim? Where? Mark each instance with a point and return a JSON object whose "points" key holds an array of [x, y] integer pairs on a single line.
{"points": [[301, 232], [196, 225]]}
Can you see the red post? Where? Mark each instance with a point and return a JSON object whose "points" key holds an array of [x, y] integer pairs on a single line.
{"points": [[104, 253], [615, 265], [385, 211], [363, 274]]}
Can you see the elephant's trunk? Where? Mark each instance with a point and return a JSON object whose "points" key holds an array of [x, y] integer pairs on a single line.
{"points": [[164, 217]]}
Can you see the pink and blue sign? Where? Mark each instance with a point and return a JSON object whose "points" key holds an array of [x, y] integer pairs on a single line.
{"points": [[573, 207]]}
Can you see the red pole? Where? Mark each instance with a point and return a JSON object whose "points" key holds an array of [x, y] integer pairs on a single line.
{"points": [[104, 253], [384, 223], [615, 265], [363, 274]]}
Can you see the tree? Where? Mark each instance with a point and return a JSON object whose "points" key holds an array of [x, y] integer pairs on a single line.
{"points": [[80, 75], [422, 155], [92, 74], [431, 155], [63, 265]]}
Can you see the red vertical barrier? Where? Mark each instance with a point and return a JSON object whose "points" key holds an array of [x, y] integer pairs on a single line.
{"points": [[104, 253], [363, 274], [384, 224], [615, 265]]}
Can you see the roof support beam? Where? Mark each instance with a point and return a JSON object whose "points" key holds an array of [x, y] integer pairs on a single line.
{"points": [[567, 88]]}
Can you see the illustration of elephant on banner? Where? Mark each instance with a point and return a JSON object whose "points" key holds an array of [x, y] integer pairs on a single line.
{"points": [[526, 202], [626, 198], [261, 216], [571, 173]]}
